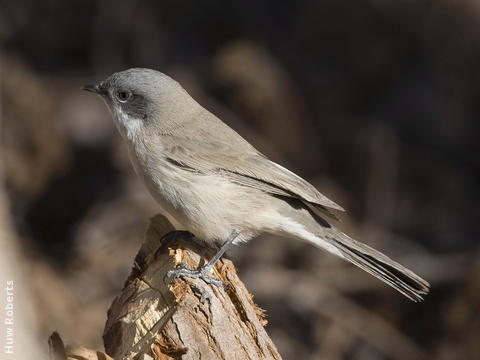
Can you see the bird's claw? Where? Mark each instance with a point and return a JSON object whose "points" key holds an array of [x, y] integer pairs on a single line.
{"points": [[182, 270]]}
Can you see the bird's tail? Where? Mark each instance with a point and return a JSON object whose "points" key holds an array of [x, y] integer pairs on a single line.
{"points": [[374, 262]]}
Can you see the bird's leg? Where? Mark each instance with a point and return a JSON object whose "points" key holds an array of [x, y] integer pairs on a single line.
{"points": [[203, 272]]}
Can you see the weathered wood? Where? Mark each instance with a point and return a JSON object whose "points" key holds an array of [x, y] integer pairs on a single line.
{"points": [[186, 319], [58, 351]]}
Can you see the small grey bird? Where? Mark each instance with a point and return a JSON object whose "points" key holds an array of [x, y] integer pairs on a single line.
{"points": [[210, 181]]}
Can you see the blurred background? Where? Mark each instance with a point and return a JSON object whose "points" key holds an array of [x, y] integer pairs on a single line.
{"points": [[376, 102]]}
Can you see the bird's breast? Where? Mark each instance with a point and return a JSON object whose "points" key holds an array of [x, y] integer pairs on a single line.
{"points": [[206, 204]]}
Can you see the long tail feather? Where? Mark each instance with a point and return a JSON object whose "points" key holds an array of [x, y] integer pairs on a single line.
{"points": [[377, 264]]}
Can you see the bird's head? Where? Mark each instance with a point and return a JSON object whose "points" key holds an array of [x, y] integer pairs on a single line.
{"points": [[140, 98]]}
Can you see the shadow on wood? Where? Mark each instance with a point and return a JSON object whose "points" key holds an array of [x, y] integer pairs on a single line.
{"points": [[187, 318]]}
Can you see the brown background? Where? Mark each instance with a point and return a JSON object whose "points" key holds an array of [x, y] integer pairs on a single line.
{"points": [[375, 102]]}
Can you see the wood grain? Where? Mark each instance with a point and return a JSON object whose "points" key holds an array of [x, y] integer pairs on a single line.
{"points": [[187, 318]]}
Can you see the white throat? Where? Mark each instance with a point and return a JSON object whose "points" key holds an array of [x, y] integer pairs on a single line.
{"points": [[129, 127]]}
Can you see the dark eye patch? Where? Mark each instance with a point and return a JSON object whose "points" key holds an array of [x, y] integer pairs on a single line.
{"points": [[135, 105]]}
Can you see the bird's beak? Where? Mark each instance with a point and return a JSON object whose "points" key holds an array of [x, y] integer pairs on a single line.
{"points": [[92, 88], [96, 89]]}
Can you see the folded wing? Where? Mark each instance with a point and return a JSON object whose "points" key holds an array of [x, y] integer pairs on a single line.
{"points": [[250, 168]]}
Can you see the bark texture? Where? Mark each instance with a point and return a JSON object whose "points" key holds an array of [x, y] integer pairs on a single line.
{"points": [[187, 318], [58, 351]]}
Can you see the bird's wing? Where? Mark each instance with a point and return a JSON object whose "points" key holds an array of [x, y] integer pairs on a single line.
{"points": [[246, 167]]}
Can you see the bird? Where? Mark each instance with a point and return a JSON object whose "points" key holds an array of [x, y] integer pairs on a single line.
{"points": [[208, 180]]}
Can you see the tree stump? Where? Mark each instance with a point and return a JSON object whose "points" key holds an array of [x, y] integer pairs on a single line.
{"points": [[188, 318]]}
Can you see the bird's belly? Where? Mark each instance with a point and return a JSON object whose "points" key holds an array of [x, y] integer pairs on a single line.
{"points": [[209, 206]]}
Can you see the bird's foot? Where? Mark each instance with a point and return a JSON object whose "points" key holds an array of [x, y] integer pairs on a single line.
{"points": [[182, 270]]}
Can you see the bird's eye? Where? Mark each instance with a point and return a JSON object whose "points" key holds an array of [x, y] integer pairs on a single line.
{"points": [[123, 96]]}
